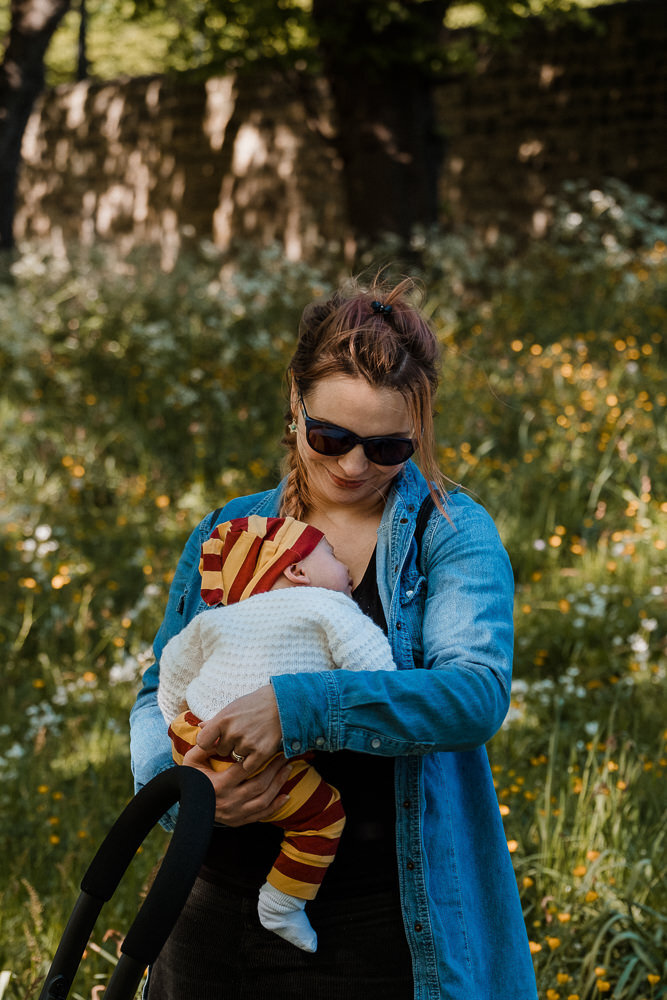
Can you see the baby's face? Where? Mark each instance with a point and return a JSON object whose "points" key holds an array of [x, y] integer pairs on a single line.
{"points": [[325, 570]]}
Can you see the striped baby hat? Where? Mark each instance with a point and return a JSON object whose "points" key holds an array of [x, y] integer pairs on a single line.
{"points": [[246, 555]]}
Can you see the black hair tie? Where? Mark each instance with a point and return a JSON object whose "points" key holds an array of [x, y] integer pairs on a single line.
{"points": [[380, 307]]}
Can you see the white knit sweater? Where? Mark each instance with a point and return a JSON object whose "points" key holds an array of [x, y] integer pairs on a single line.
{"points": [[226, 652]]}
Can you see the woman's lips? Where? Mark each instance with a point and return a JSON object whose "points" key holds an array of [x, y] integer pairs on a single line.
{"points": [[347, 484]]}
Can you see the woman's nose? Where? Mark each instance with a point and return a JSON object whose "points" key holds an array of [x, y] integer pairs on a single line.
{"points": [[353, 462]]}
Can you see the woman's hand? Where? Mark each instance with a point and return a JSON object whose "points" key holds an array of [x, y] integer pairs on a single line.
{"points": [[249, 726], [240, 799]]}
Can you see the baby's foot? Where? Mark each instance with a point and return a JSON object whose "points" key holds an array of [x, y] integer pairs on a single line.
{"points": [[284, 915]]}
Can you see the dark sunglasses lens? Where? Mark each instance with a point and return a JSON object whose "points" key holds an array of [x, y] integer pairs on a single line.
{"points": [[388, 451], [328, 440]]}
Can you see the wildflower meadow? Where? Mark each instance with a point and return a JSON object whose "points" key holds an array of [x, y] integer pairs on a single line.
{"points": [[133, 401]]}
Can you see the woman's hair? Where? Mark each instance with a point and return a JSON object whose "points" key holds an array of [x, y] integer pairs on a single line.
{"points": [[377, 334]]}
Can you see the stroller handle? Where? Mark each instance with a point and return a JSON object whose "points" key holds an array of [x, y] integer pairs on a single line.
{"points": [[166, 898]]}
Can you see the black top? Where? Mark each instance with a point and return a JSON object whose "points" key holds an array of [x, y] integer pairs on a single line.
{"points": [[241, 857]]}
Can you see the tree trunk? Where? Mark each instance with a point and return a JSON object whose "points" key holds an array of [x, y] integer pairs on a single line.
{"points": [[82, 54], [33, 23], [378, 67]]}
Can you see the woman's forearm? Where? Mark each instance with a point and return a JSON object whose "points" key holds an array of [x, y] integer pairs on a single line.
{"points": [[390, 713]]}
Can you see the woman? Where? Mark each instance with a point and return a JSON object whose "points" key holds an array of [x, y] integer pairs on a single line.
{"points": [[421, 900]]}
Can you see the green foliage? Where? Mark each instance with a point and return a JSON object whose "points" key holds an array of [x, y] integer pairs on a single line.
{"points": [[142, 37], [134, 401]]}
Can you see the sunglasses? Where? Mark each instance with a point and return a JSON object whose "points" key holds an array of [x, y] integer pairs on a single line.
{"points": [[329, 439]]}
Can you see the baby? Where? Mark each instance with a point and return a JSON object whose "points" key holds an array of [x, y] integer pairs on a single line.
{"points": [[301, 619]]}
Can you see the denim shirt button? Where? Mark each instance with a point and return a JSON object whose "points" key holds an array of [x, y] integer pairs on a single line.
{"points": [[410, 865], [296, 745], [409, 593], [398, 626], [320, 741], [406, 803], [418, 928], [376, 743]]}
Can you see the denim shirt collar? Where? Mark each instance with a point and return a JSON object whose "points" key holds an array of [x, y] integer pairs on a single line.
{"points": [[406, 493]]}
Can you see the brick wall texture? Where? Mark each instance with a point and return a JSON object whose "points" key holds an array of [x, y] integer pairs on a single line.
{"points": [[158, 160]]}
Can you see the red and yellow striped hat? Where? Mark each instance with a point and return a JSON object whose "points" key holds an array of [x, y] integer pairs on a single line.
{"points": [[246, 556]]}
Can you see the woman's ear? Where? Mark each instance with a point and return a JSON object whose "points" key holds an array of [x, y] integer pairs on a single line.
{"points": [[296, 575]]}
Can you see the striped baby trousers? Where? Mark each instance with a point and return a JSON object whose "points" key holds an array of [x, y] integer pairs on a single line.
{"points": [[312, 819]]}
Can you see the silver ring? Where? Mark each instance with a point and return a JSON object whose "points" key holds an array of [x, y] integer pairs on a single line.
{"points": [[239, 758]]}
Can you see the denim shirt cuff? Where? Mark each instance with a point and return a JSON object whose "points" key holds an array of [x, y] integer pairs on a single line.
{"points": [[308, 707]]}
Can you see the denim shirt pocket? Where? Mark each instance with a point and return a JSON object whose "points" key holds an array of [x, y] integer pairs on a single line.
{"points": [[412, 599]]}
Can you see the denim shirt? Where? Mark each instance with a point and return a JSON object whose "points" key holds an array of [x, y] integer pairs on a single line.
{"points": [[449, 617]]}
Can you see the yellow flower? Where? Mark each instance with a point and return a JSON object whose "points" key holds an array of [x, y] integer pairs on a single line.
{"points": [[602, 985], [591, 896], [534, 947], [653, 978], [564, 917], [553, 943], [553, 994], [562, 978], [600, 970], [512, 846], [528, 881], [579, 871]]}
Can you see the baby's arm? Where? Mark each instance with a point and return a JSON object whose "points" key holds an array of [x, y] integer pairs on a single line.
{"points": [[356, 642], [181, 661]]}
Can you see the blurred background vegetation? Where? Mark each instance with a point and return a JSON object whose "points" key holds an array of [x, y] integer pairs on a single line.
{"points": [[142, 37], [133, 401]]}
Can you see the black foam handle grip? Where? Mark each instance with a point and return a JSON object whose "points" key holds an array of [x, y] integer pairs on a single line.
{"points": [[181, 863], [166, 898]]}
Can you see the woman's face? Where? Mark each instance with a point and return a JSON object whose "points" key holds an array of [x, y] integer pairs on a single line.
{"points": [[350, 402]]}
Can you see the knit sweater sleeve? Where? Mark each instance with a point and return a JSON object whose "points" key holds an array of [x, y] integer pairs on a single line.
{"points": [[355, 641], [181, 661]]}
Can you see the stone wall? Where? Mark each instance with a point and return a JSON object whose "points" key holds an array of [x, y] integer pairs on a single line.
{"points": [[577, 103], [155, 160]]}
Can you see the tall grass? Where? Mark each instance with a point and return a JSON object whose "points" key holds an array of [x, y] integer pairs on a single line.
{"points": [[133, 401]]}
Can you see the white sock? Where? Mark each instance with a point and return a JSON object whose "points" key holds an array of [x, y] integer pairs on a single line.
{"points": [[284, 915]]}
